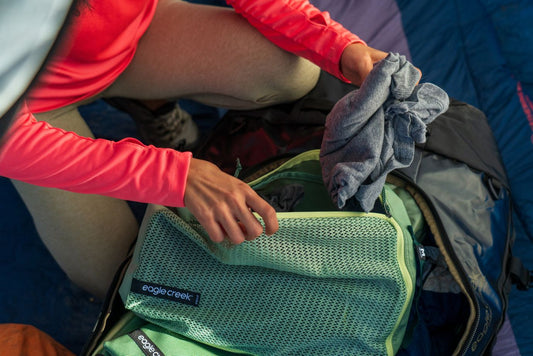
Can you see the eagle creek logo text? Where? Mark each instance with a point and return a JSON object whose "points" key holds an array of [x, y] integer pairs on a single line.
{"points": [[146, 345], [168, 292], [165, 292]]}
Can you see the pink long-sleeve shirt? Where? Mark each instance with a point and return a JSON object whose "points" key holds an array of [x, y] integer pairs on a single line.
{"points": [[100, 44]]}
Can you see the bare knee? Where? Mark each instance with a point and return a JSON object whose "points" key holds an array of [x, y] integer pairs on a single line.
{"points": [[292, 84], [282, 84]]}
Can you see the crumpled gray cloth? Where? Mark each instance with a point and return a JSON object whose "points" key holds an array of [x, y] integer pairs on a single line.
{"points": [[286, 197], [373, 130]]}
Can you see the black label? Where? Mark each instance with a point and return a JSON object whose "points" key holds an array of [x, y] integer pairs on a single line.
{"points": [[144, 343], [165, 292]]}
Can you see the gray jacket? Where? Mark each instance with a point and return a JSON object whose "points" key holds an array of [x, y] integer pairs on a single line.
{"points": [[28, 29]]}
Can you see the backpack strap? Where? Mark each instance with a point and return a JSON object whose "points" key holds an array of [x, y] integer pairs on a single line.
{"points": [[520, 276]]}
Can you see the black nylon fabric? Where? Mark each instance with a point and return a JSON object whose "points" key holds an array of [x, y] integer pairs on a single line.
{"points": [[474, 227], [463, 133]]}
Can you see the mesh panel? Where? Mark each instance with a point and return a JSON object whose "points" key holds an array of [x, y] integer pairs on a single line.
{"points": [[332, 285]]}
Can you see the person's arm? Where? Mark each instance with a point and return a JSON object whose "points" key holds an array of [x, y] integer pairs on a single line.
{"points": [[36, 153], [300, 28]]}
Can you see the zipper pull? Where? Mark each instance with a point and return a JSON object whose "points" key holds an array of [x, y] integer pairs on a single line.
{"points": [[421, 251]]}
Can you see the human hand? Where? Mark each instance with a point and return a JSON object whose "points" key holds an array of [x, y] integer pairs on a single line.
{"points": [[224, 204], [357, 61]]}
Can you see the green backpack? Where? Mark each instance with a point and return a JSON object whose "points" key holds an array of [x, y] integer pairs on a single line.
{"points": [[328, 282], [459, 205]]}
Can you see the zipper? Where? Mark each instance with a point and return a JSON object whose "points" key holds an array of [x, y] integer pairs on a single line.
{"points": [[450, 252], [386, 207], [508, 248], [302, 176]]}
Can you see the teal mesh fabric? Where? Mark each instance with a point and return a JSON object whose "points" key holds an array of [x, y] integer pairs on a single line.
{"points": [[327, 283]]}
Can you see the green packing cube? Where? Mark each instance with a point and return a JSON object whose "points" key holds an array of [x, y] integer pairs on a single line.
{"points": [[140, 338], [329, 282]]}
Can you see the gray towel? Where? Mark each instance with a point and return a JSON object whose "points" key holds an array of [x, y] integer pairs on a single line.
{"points": [[373, 130]]}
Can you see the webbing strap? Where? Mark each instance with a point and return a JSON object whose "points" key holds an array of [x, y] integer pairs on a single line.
{"points": [[520, 275]]}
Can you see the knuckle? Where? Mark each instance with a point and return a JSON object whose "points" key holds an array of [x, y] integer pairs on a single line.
{"points": [[236, 240], [232, 200], [256, 230]]}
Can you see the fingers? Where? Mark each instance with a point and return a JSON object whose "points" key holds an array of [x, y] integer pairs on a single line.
{"points": [[237, 223], [234, 222], [243, 224], [240, 224], [377, 55], [420, 73], [357, 61], [267, 212], [211, 226], [225, 206]]}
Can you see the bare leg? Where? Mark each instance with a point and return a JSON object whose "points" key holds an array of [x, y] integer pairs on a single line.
{"points": [[88, 235], [206, 53], [214, 56]]}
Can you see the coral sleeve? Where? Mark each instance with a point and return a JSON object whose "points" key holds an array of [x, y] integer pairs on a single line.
{"points": [[39, 154], [300, 28]]}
